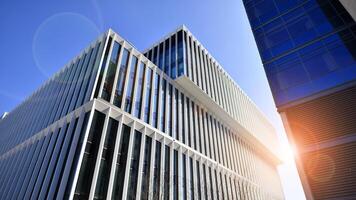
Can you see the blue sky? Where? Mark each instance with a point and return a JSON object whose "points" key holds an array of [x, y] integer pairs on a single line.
{"points": [[39, 37]]}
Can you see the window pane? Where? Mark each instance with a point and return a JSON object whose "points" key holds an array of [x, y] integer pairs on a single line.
{"points": [[198, 179], [169, 109], [175, 175], [110, 74], [166, 56], [106, 159], [139, 91], [166, 172], [131, 194], [103, 67], [184, 174], [148, 95], [155, 100], [121, 163], [156, 171], [173, 57], [163, 106], [191, 179], [128, 102], [146, 169], [121, 78], [155, 54], [180, 53], [89, 159], [160, 56]]}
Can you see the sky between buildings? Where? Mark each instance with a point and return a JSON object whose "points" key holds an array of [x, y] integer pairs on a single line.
{"points": [[37, 38]]}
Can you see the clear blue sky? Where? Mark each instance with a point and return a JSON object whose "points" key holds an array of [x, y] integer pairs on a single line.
{"points": [[38, 37]]}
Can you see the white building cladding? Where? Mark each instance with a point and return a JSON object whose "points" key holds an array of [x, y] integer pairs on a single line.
{"points": [[113, 125]]}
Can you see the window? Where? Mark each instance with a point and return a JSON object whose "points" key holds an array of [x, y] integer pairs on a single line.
{"points": [[173, 57], [88, 164], [106, 159], [176, 121], [191, 59], [198, 179], [149, 55], [155, 100], [184, 175], [160, 56], [188, 127], [156, 171], [102, 69], [121, 78], [163, 106], [175, 175], [191, 179], [169, 109], [211, 183], [166, 181], [182, 117], [216, 184], [130, 85], [155, 52], [146, 169], [222, 185], [180, 53], [110, 74], [121, 163], [166, 57], [186, 53], [131, 193], [205, 183], [148, 95], [199, 130], [139, 91], [195, 135], [201, 73], [196, 63]]}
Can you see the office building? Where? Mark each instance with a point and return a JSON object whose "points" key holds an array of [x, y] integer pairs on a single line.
{"points": [[118, 124], [308, 50]]}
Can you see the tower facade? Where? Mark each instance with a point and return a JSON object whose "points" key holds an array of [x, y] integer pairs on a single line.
{"points": [[118, 124], [308, 49]]}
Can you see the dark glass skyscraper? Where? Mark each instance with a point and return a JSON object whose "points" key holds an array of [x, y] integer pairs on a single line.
{"points": [[308, 50]]}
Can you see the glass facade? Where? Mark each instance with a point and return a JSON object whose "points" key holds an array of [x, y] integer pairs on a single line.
{"points": [[132, 132], [306, 46]]}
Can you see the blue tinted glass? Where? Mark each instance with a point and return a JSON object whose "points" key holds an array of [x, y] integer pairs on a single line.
{"points": [[169, 117], [265, 10], [155, 53], [163, 106], [139, 90], [155, 100], [130, 85], [148, 95], [166, 57], [291, 77], [180, 54], [160, 56], [121, 78], [110, 74], [173, 57]]}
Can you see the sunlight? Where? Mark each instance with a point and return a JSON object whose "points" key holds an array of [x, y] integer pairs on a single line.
{"points": [[287, 153]]}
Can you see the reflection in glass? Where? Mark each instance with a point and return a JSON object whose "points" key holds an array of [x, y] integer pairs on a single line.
{"points": [[121, 78], [130, 84]]}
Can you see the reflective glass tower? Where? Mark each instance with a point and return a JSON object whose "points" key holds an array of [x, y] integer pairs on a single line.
{"points": [[308, 49], [118, 124]]}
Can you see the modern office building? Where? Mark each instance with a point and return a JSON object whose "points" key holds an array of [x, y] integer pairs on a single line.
{"points": [[308, 49], [118, 124]]}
